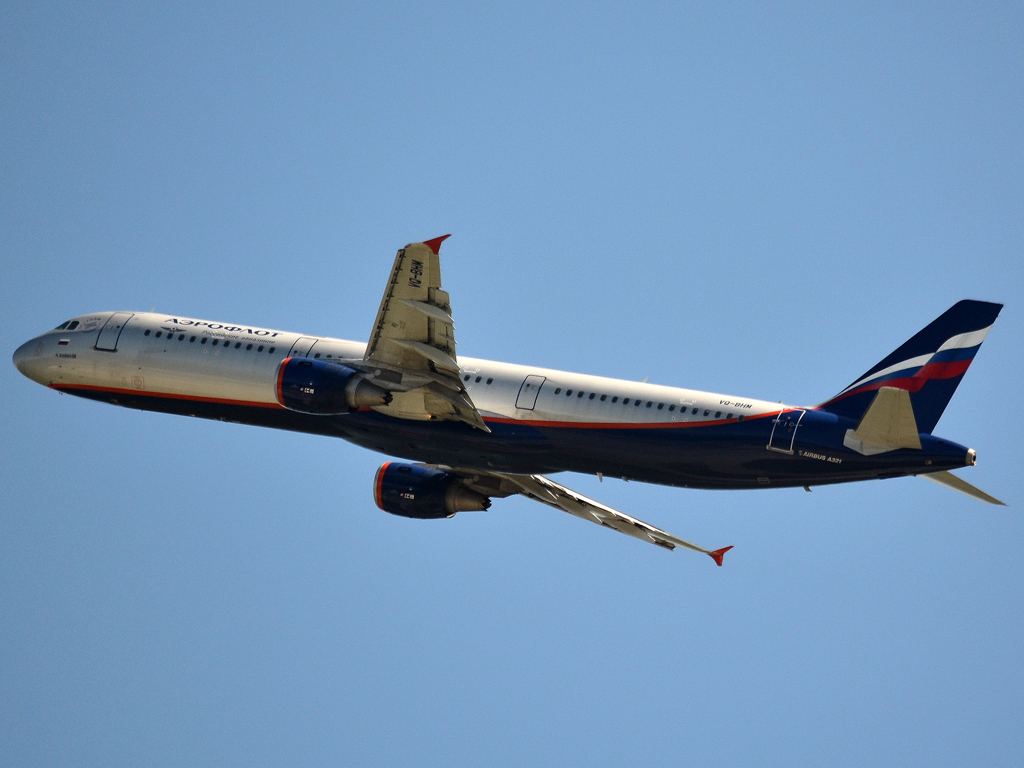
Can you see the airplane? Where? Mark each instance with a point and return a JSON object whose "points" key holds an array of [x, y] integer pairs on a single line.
{"points": [[472, 430]]}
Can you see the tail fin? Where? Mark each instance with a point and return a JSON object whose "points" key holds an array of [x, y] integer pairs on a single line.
{"points": [[929, 366]]}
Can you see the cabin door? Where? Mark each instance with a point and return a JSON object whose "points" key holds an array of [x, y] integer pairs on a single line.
{"points": [[111, 332], [784, 428]]}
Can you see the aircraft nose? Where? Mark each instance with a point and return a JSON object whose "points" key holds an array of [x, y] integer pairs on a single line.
{"points": [[24, 354]]}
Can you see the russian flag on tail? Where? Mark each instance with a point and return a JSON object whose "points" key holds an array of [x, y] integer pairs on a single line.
{"points": [[929, 366]]}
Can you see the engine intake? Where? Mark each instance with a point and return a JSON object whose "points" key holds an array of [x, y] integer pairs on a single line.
{"points": [[409, 490], [325, 389]]}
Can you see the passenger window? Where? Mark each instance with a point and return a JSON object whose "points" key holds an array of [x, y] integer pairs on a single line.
{"points": [[625, 401], [479, 379], [260, 349], [568, 393], [718, 414], [192, 339], [159, 334], [660, 406], [592, 395], [603, 398], [181, 337], [729, 417], [248, 347], [671, 407], [466, 377], [490, 381], [271, 351], [694, 411], [580, 393], [558, 391], [215, 342], [615, 399], [636, 403], [147, 332], [238, 344], [707, 413], [740, 417], [315, 357], [649, 403]]}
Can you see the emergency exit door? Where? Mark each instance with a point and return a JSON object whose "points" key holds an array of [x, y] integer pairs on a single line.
{"points": [[528, 392], [784, 428]]}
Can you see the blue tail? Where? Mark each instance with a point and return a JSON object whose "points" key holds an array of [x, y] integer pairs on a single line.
{"points": [[929, 366]]}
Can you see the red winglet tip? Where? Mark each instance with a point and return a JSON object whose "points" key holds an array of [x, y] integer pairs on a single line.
{"points": [[718, 554], [435, 244]]}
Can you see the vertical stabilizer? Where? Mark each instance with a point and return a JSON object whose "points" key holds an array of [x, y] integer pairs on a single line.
{"points": [[929, 366]]}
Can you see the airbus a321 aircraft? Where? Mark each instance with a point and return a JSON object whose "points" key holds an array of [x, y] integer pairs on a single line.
{"points": [[479, 430]]}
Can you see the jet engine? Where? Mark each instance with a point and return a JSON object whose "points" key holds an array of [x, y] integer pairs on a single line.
{"points": [[325, 389], [410, 490]]}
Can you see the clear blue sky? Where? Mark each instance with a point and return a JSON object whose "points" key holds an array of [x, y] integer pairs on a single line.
{"points": [[753, 201]]}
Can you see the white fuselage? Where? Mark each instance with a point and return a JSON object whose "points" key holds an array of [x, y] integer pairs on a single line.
{"points": [[179, 357]]}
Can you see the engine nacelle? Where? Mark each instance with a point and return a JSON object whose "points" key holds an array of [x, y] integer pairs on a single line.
{"points": [[325, 389], [410, 490]]}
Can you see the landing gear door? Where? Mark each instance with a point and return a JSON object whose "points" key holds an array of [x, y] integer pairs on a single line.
{"points": [[784, 428], [302, 347], [528, 392], [111, 332]]}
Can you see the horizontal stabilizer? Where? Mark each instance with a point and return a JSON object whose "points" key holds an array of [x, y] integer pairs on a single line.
{"points": [[950, 480], [887, 425]]}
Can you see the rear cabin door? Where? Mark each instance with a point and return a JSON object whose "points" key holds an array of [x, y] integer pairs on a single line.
{"points": [[784, 428], [301, 347], [528, 392], [111, 332]]}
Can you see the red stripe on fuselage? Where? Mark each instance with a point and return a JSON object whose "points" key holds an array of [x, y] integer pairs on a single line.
{"points": [[488, 419], [192, 398], [617, 424], [626, 425]]}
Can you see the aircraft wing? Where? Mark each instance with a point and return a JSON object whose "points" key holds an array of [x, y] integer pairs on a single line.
{"points": [[412, 347], [546, 491]]}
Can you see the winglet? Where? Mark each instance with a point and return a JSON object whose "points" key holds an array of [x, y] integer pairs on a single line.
{"points": [[435, 244], [718, 554]]}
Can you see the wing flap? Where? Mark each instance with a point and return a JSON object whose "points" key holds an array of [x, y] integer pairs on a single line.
{"points": [[439, 358]]}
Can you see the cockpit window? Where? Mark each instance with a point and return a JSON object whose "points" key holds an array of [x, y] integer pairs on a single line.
{"points": [[63, 325], [73, 325]]}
